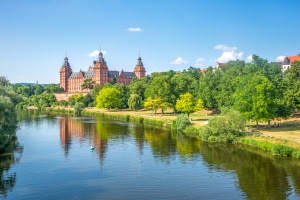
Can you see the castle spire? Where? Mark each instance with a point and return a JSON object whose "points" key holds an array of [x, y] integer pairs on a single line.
{"points": [[100, 56], [139, 62]]}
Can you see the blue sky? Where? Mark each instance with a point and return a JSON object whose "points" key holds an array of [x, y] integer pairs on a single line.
{"points": [[36, 35]]}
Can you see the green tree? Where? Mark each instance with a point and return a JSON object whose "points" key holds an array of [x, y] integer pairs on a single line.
{"points": [[124, 94], [255, 99], [292, 86], [208, 88], [108, 98], [138, 86], [72, 100], [38, 89], [53, 88], [154, 103], [188, 104], [88, 84], [161, 87], [135, 102]]}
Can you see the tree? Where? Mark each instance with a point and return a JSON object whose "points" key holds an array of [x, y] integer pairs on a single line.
{"points": [[208, 88], [72, 100], [292, 86], [108, 98], [255, 98], [53, 88], [88, 84], [135, 102], [187, 104], [124, 94], [138, 86], [161, 87], [154, 103], [38, 89]]}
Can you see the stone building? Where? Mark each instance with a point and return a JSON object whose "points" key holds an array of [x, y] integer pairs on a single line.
{"points": [[71, 81]]}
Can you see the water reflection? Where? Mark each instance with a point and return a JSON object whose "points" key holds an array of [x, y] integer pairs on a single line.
{"points": [[10, 155], [259, 175]]}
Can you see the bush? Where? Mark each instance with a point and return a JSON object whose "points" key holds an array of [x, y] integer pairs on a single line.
{"points": [[224, 128], [181, 122], [282, 150]]}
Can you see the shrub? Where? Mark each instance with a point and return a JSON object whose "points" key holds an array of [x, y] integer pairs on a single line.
{"points": [[282, 150], [181, 122], [224, 128]]}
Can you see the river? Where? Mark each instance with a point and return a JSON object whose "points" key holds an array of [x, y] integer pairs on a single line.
{"points": [[51, 159]]}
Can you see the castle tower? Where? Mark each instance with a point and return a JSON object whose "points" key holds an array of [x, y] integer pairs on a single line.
{"points": [[100, 70], [139, 69], [286, 63], [65, 72]]}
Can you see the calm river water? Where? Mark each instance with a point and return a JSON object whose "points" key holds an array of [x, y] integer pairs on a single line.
{"points": [[51, 159]]}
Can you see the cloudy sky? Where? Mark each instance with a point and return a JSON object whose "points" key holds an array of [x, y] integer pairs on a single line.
{"points": [[35, 35]]}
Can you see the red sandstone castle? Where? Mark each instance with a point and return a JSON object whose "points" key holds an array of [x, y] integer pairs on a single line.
{"points": [[71, 81]]}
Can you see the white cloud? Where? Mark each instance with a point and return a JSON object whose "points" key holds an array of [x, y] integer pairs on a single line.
{"points": [[137, 29], [230, 55], [179, 61], [280, 58], [249, 58], [199, 62], [96, 53], [223, 47]]}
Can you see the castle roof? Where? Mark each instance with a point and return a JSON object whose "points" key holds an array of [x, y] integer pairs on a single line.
{"points": [[111, 74]]}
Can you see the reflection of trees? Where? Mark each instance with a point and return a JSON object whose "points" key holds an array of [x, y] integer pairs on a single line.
{"points": [[163, 146], [186, 146], [260, 177], [10, 154]]}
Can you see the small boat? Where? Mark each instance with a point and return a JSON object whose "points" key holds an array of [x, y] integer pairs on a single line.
{"points": [[92, 148]]}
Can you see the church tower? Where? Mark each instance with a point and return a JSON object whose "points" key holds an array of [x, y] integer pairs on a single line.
{"points": [[65, 72], [139, 69], [100, 70]]}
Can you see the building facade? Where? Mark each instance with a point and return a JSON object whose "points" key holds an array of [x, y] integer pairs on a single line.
{"points": [[71, 81]]}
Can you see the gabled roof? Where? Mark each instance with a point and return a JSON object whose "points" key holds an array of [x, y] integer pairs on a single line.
{"points": [[294, 58]]}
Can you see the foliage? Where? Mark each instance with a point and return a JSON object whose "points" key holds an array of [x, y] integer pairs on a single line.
{"points": [[72, 100], [224, 128], [135, 102], [255, 98], [108, 98], [8, 117], [181, 122], [292, 83], [187, 104], [88, 84], [78, 107], [154, 103], [161, 87]]}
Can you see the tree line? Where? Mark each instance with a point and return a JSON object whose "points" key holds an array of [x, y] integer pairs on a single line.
{"points": [[258, 90]]}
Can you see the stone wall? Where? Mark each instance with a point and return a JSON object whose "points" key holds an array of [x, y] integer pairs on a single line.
{"points": [[66, 95]]}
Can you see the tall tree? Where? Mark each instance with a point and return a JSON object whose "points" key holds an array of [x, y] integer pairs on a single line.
{"points": [[292, 86], [188, 104], [108, 98], [255, 98], [88, 84], [135, 102]]}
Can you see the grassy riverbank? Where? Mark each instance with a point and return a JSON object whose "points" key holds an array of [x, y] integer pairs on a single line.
{"points": [[281, 141]]}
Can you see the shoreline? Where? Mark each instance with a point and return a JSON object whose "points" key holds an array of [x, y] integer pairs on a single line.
{"points": [[281, 141]]}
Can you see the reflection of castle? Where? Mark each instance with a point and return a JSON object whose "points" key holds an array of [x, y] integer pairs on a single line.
{"points": [[74, 129]]}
